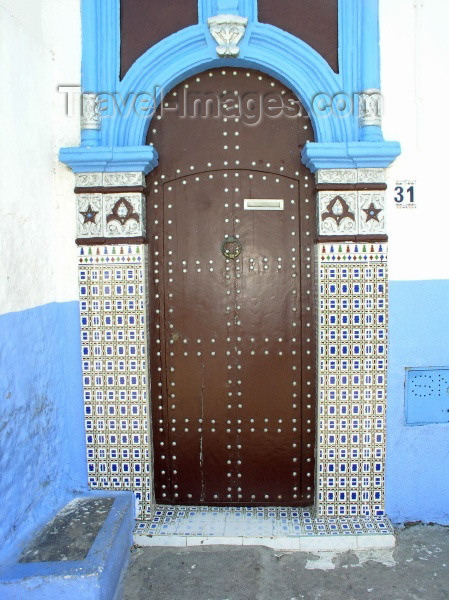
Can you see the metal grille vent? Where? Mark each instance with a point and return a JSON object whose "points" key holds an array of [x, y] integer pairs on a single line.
{"points": [[427, 395]]}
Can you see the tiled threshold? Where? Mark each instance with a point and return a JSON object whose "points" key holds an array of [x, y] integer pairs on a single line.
{"points": [[274, 527]]}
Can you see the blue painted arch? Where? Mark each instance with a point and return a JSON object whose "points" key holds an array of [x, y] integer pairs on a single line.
{"points": [[265, 48], [340, 142]]}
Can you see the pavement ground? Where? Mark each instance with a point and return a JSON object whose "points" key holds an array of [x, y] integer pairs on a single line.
{"points": [[416, 569]]}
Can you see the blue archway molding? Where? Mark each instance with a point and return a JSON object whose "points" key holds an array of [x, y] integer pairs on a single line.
{"points": [[297, 65], [119, 145]]}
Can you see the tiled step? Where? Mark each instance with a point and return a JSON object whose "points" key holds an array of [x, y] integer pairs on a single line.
{"points": [[275, 527]]}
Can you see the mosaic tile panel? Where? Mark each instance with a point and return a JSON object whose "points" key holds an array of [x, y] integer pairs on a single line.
{"points": [[364, 175], [351, 213], [124, 215], [352, 382], [351, 430], [110, 215], [337, 212], [113, 292], [336, 176], [371, 212], [371, 175], [89, 215], [120, 179]]}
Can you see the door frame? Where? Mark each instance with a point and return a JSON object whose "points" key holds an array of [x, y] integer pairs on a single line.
{"points": [[348, 159], [276, 162]]}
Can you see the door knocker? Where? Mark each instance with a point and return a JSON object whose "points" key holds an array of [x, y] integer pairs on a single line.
{"points": [[231, 247]]}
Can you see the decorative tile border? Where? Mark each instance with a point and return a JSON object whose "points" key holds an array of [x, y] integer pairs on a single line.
{"points": [[352, 330], [88, 180], [113, 296], [371, 212], [89, 215], [336, 176], [372, 175], [351, 212], [120, 179], [124, 215], [111, 215], [350, 176], [238, 522], [337, 213], [352, 382]]}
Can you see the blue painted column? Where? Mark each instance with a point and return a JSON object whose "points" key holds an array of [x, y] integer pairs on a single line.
{"points": [[369, 74]]}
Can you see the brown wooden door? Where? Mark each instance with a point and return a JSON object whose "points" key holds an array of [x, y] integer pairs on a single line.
{"points": [[232, 358]]}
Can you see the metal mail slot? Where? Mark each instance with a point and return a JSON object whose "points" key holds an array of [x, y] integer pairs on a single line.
{"points": [[263, 204]]}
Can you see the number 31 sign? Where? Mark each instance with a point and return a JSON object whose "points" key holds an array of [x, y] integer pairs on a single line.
{"points": [[404, 194]]}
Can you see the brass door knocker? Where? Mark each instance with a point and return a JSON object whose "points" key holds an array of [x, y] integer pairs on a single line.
{"points": [[231, 247]]}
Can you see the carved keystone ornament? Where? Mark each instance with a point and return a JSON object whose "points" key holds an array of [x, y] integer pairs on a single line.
{"points": [[227, 31]]}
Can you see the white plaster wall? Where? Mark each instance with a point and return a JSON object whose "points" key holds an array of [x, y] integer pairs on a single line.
{"points": [[39, 50], [415, 83]]}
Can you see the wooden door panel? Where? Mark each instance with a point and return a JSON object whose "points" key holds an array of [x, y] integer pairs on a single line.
{"points": [[232, 353], [195, 318]]}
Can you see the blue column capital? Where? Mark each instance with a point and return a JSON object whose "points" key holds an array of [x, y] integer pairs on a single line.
{"points": [[101, 159]]}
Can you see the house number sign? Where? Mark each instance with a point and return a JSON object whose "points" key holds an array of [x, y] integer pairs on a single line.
{"points": [[404, 194]]}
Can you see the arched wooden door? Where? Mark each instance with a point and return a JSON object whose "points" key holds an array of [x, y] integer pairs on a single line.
{"points": [[231, 222]]}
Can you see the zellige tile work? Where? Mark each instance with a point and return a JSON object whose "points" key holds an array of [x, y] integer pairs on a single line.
{"points": [[280, 528], [114, 362], [352, 381], [352, 331], [254, 521]]}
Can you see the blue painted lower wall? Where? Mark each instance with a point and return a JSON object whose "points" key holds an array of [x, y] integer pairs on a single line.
{"points": [[417, 455], [42, 455]]}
